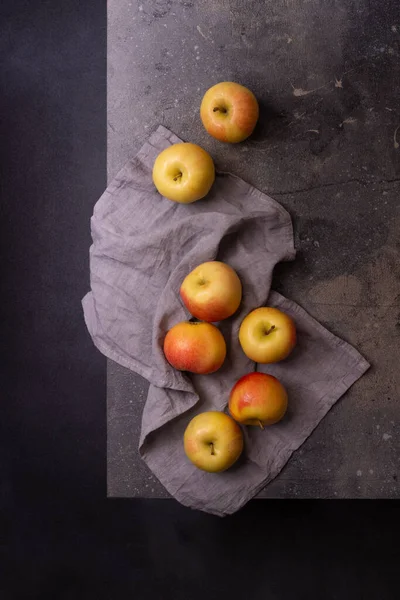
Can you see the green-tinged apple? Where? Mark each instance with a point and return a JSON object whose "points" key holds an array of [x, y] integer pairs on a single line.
{"points": [[258, 399], [267, 335], [229, 112], [183, 173], [212, 291], [213, 441], [195, 347]]}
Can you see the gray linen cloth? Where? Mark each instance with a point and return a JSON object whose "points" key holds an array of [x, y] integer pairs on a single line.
{"points": [[143, 247]]}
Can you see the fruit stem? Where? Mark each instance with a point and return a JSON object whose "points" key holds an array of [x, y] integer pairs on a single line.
{"points": [[268, 331], [212, 448], [260, 424]]}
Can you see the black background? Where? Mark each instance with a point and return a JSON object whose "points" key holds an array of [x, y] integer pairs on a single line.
{"points": [[63, 538]]}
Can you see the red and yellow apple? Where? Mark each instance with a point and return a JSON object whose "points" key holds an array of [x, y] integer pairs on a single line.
{"points": [[229, 112], [212, 291], [267, 335], [183, 173], [195, 347], [213, 441], [258, 399]]}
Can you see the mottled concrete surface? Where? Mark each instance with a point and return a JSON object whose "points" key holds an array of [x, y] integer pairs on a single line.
{"points": [[327, 75]]}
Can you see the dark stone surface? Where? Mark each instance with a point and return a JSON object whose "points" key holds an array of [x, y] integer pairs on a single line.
{"points": [[327, 76]]}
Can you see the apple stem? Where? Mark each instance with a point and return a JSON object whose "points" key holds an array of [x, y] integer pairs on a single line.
{"points": [[212, 448], [260, 424], [268, 331]]}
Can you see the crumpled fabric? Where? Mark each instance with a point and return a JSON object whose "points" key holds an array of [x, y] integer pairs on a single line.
{"points": [[143, 247]]}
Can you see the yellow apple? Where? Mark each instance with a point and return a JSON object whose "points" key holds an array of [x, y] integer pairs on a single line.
{"points": [[195, 347], [258, 399], [183, 173], [212, 291], [213, 441], [229, 112], [267, 335]]}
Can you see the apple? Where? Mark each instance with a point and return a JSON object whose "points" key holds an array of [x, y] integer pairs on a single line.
{"points": [[267, 335], [212, 291], [213, 441], [258, 399], [229, 112], [183, 173], [195, 347]]}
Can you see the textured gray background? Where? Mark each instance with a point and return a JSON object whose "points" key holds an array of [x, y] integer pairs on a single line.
{"points": [[327, 76]]}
